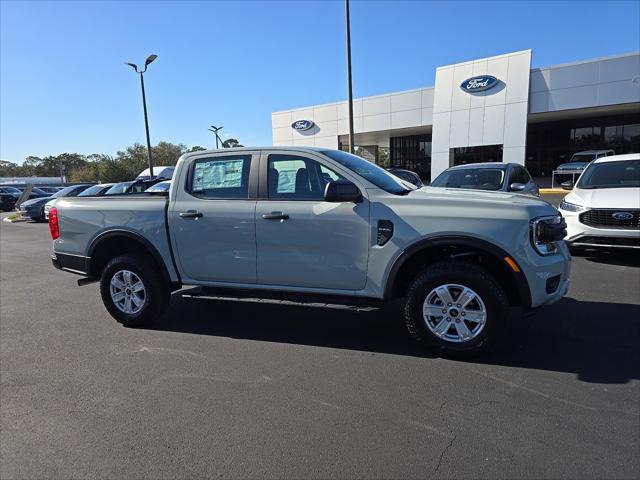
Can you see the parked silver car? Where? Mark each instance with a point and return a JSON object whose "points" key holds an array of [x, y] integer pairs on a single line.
{"points": [[491, 176]]}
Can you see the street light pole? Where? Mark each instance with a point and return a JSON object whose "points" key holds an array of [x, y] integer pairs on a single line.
{"points": [[149, 59], [350, 92], [215, 131]]}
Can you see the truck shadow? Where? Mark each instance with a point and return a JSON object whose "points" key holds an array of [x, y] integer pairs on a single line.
{"points": [[597, 341]]}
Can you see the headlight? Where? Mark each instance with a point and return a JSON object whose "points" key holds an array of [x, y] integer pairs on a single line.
{"points": [[570, 207], [546, 232]]}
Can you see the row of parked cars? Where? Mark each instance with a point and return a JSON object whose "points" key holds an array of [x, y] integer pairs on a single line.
{"points": [[602, 210], [41, 199]]}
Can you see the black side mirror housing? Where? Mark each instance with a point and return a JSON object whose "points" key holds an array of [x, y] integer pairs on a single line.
{"points": [[342, 191], [517, 187], [568, 185]]}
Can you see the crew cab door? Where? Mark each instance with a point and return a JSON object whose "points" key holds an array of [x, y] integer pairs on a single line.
{"points": [[302, 240], [211, 218]]}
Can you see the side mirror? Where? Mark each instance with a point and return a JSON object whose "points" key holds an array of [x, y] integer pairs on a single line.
{"points": [[342, 191], [517, 187], [568, 185]]}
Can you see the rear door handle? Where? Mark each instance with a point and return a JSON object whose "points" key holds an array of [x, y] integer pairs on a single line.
{"points": [[190, 214], [275, 216]]}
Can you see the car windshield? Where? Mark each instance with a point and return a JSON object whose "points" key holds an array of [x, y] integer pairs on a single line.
{"points": [[621, 174], [370, 171], [159, 187], [118, 188], [583, 157], [65, 191], [94, 190], [471, 178], [9, 190]]}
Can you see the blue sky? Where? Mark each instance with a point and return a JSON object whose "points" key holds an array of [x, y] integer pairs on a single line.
{"points": [[64, 88]]}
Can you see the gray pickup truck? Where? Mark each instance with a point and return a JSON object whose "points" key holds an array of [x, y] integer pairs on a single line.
{"points": [[317, 226]]}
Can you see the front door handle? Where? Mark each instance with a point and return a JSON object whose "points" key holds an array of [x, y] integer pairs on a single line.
{"points": [[275, 216], [190, 214]]}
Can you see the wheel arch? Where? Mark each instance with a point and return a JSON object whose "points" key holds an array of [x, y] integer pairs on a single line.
{"points": [[111, 243], [430, 250]]}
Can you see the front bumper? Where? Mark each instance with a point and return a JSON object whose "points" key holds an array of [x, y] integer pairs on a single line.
{"points": [[581, 235], [548, 276], [34, 213]]}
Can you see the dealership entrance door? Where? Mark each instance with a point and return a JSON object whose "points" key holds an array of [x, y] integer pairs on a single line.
{"points": [[484, 153]]}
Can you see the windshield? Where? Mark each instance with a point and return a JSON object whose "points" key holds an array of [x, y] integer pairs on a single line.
{"points": [[9, 190], [611, 175], [370, 171], [118, 188], [94, 190], [583, 157], [65, 191], [159, 187], [471, 178]]}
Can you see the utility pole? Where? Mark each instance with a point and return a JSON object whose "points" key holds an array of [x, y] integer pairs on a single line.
{"points": [[149, 59], [350, 90]]}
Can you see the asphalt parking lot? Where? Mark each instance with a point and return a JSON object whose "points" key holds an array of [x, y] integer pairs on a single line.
{"points": [[222, 389]]}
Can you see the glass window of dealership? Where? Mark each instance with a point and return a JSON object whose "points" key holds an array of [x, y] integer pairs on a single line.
{"points": [[491, 109]]}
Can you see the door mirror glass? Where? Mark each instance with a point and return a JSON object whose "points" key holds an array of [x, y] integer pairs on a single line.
{"points": [[342, 191], [568, 185], [517, 187]]}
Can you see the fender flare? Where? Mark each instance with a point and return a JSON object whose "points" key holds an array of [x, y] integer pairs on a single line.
{"points": [[108, 234], [521, 283]]}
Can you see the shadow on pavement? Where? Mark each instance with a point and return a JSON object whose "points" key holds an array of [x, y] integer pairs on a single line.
{"points": [[623, 258], [597, 341]]}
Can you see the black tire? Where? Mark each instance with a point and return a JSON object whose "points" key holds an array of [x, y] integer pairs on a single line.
{"points": [[156, 297], [496, 326]]}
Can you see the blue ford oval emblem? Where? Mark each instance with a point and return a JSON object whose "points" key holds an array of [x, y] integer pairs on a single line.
{"points": [[479, 84], [622, 215], [302, 125]]}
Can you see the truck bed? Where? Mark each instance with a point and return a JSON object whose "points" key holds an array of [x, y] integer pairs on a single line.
{"points": [[84, 219]]}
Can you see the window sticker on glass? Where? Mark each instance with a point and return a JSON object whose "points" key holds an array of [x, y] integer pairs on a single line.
{"points": [[214, 175]]}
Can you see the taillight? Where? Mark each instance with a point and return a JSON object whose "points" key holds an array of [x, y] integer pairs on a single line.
{"points": [[53, 223]]}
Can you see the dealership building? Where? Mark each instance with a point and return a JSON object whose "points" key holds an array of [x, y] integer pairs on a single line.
{"points": [[489, 109]]}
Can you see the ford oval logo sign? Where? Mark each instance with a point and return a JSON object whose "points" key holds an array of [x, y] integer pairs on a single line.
{"points": [[622, 216], [302, 125], [479, 84]]}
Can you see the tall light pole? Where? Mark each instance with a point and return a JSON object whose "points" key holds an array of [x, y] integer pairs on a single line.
{"points": [[350, 92], [149, 59], [215, 130]]}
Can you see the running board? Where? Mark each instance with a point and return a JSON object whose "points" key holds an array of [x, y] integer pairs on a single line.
{"points": [[356, 304]]}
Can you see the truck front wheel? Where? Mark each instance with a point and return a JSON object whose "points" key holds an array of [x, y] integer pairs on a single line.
{"points": [[132, 291], [456, 309]]}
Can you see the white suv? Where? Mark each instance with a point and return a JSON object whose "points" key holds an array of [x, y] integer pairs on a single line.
{"points": [[603, 210]]}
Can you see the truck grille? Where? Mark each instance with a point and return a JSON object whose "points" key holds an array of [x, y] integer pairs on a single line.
{"points": [[604, 218]]}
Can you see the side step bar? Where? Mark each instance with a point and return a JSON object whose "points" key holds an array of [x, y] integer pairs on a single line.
{"points": [[351, 303]]}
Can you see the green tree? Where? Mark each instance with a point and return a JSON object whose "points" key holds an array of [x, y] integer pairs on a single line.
{"points": [[230, 143]]}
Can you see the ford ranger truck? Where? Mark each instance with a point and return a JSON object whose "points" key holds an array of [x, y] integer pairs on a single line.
{"points": [[319, 226]]}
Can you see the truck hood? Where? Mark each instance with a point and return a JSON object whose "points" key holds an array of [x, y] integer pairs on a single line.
{"points": [[475, 203], [483, 196], [605, 197], [573, 166]]}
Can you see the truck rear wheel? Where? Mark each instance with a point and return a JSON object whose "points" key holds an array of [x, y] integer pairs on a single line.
{"points": [[456, 309], [133, 291]]}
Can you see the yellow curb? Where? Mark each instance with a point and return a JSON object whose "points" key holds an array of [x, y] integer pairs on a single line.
{"points": [[549, 191]]}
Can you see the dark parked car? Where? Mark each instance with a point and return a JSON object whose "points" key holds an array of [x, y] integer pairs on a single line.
{"points": [[34, 209], [35, 192], [407, 175], [492, 176], [8, 198], [50, 190]]}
